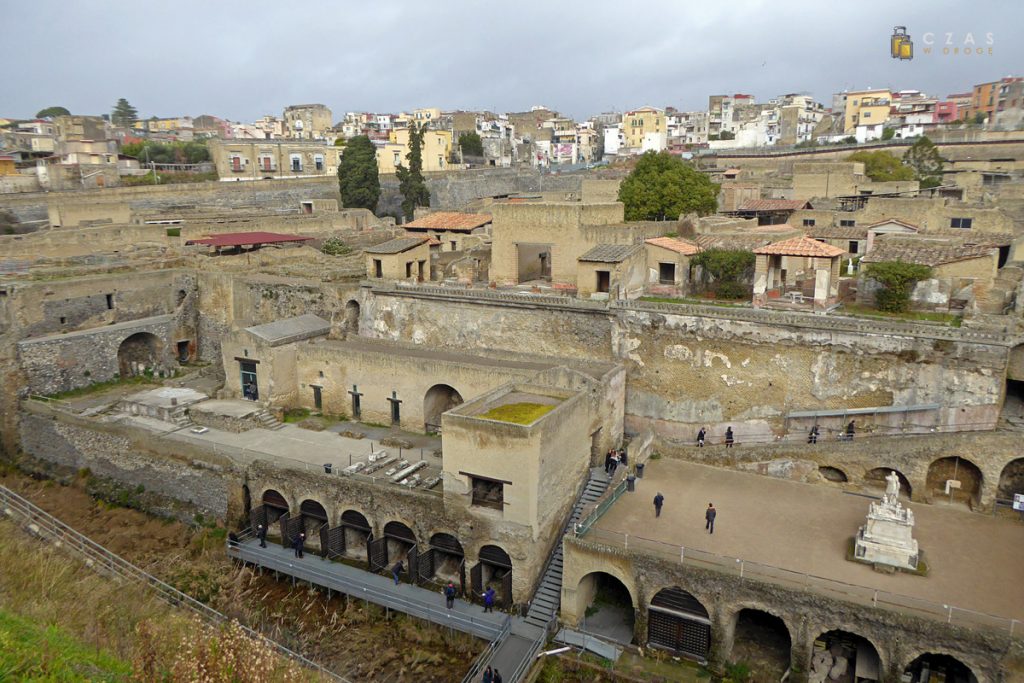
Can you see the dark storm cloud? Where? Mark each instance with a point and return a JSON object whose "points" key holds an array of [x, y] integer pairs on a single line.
{"points": [[241, 60]]}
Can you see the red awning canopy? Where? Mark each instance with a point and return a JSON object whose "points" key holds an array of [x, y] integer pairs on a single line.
{"points": [[241, 239]]}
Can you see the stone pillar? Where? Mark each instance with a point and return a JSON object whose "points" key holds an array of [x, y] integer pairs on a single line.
{"points": [[640, 625], [821, 288], [761, 279]]}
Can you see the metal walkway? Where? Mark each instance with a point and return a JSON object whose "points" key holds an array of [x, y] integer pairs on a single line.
{"points": [[380, 590]]}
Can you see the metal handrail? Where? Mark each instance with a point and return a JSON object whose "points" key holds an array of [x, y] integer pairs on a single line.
{"points": [[42, 524], [527, 661], [842, 590], [595, 514], [366, 591], [473, 675]]}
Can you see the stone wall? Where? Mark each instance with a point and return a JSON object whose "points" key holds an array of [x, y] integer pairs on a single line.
{"points": [[898, 636], [912, 456], [169, 479]]}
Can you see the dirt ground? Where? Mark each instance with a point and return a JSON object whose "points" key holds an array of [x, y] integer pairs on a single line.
{"points": [[353, 639]]}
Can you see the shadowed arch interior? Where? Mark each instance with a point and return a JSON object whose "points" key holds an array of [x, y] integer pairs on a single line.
{"points": [[846, 656], [949, 668], [138, 353], [439, 399], [677, 621]]}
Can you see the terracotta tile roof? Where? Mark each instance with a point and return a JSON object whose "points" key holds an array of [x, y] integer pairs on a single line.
{"points": [[924, 254], [610, 253], [837, 232], [672, 244], [774, 205], [743, 242], [449, 220], [801, 246], [396, 246], [433, 241], [239, 239]]}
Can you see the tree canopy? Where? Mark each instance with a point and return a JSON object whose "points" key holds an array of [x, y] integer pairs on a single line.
{"points": [[726, 271], [882, 166], [193, 152], [50, 112], [897, 279], [923, 157], [411, 183], [471, 144], [664, 187], [124, 114], [358, 179]]}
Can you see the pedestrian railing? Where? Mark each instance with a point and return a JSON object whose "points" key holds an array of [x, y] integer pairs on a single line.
{"points": [[359, 589], [526, 663], [45, 526], [473, 675], [583, 526], [794, 580]]}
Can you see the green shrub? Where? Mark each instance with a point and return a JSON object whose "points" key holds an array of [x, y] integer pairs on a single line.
{"points": [[333, 246], [897, 279], [174, 232], [725, 271]]}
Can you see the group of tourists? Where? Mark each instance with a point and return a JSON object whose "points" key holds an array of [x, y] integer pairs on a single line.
{"points": [[613, 458], [845, 435], [709, 514], [702, 435]]}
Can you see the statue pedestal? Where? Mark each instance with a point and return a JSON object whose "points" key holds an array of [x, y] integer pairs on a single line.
{"points": [[887, 537]]}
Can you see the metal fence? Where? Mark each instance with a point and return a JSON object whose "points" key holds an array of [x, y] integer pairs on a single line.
{"points": [[43, 525], [861, 595]]}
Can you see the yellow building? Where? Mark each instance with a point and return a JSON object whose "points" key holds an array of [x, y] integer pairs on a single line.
{"points": [[865, 108], [636, 124], [437, 149]]}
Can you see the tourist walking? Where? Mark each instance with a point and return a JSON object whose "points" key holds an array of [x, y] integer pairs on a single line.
{"points": [[850, 429], [812, 436], [489, 599], [700, 437], [261, 533], [659, 500], [488, 675], [497, 677], [622, 457], [709, 518], [449, 595], [728, 437], [396, 570], [298, 543]]}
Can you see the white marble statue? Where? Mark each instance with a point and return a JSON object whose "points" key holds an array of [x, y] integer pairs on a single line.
{"points": [[887, 537]]}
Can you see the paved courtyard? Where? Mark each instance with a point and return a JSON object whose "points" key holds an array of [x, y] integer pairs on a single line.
{"points": [[975, 560]]}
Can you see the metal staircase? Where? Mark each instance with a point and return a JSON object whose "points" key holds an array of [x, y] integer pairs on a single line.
{"points": [[548, 598]]}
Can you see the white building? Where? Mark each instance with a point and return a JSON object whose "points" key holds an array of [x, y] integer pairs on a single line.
{"points": [[613, 139]]}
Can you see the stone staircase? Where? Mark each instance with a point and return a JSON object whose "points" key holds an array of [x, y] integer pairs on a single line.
{"points": [[548, 598], [182, 419], [267, 420]]}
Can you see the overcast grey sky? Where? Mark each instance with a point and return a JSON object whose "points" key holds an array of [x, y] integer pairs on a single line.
{"points": [[240, 60]]}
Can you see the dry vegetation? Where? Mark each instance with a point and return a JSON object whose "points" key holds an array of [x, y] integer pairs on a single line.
{"points": [[518, 413], [351, 638]]}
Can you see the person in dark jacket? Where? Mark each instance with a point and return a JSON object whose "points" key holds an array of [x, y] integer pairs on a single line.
{"points": [[659, 500], [397, 570], [261, 533], [623, 458], [812, 436], [728, 437], [449, 595], [489, 599], [608, 462], [615, 463], [700, 437], [850, 429], [497, 677], [298, 543], [709, 518], [488, 675]]}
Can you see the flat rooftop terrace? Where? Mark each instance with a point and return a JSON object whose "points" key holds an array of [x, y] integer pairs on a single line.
{"points": [[974, 560]]}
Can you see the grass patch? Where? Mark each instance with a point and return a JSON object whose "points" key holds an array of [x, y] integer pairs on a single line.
{"points": [[695, 302], [97, 387], [296, 415], [523, 413], [857, 310], [30, 651]]}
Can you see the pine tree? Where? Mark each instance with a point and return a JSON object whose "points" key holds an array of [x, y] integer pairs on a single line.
{"points": [[358, 180], [923, 156], [410, 180], [124, 114]]}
